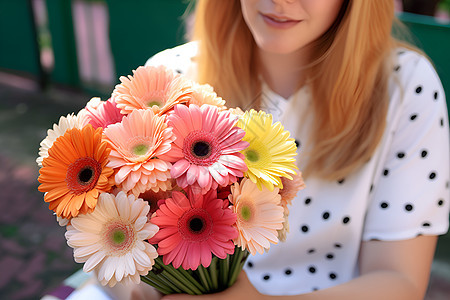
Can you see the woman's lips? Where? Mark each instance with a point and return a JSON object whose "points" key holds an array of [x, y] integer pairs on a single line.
{"points": [[279, 22]]}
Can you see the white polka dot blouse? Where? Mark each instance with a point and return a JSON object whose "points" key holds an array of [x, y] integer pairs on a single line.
{"points": [[400, 193]]}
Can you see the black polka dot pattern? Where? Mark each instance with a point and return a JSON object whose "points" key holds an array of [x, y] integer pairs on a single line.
{"points": [[409, 207], [388, 197]]}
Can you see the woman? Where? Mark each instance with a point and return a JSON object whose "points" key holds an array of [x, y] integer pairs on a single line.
{"points": [[370, 118]]}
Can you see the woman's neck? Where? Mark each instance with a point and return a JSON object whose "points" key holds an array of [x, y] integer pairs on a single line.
{"points": [[283, 73]]}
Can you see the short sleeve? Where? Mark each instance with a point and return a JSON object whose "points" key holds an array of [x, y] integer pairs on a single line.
{"points": [[180, 59], [411, 195]]}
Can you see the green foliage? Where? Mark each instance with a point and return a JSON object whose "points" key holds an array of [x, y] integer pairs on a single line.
{"points": [[445, 5]]}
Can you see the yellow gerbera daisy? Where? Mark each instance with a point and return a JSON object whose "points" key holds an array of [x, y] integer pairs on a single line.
{"points": [[270, 155]]}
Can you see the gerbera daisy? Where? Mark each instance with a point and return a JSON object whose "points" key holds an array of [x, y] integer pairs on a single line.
{"points": [[139, 144], [102, 113], [65, 123], [206, 150], [75, 172], [290, 189], [259, 215], [271, 151], [204, 94], [191, 229], [112, 239], [153, 198], [155, 88], [282, 233]]}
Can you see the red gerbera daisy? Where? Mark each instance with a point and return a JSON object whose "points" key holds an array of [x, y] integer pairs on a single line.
{"points": [[191, 229]]}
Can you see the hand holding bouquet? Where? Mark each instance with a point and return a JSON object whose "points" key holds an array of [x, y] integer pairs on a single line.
{"points": [[162, 183]]}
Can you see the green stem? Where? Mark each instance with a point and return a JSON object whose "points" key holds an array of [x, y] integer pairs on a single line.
{"points": [[179, 276], [165, 281], [213, 273], [157, 285], [224, 267], [188, 276], [204, 277], [237, 264], [175, 280]]}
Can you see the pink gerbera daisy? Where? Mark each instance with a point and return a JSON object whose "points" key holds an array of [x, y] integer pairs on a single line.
{"points": [[206, 150], [102, 113], [155, 88], [191, 229], [259, 215], [139, 144]]}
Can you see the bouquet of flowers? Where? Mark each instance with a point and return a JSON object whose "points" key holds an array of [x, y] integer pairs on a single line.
{"points": [[165, 184]]}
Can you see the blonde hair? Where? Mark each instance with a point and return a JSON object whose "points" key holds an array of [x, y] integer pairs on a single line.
{"points": [[348, 78]]}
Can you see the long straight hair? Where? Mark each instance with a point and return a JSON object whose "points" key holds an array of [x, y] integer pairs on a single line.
{"points": [[348, 77]]}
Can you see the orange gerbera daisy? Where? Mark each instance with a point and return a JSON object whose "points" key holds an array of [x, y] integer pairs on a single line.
{"points": [[75, 173], [155, 88]]}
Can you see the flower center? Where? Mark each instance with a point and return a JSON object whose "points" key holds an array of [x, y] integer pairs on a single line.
{"points": [[86, 175], [252, 155], [201, 148], [246, 211], [119, 237], [82, 175], [195, 225], [257, 155], [154, 103], [140, 149]]}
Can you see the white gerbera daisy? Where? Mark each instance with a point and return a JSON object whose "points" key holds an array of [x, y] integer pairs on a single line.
{"points": [[112, 239], [65, 123]]}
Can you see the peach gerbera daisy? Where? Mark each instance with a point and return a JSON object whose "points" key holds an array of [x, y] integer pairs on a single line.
{"points": [[75, 172], [204, 94], [112, 239], [206, 150], [65, 123], [290, 189], [102, 113], [139, 144], [259, 215], [193, 229], [155, 88]]}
